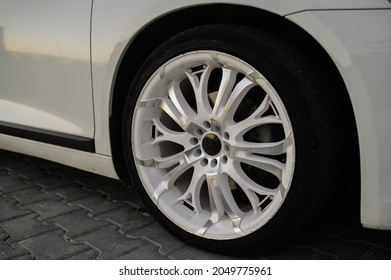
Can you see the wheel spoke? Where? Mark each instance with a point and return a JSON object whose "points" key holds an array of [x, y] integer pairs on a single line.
{"points": [[164, 134], [194, 189], [209, 223], [249, 187], [222, 203], [231, 207], [199, 81], [179, 101], [180, 158], [272, 166], [245, 183], [169, 180], [215, 199], [230, 101], [273, 148], [237, 130], [169, 107], [225, 90], [262, 108]]}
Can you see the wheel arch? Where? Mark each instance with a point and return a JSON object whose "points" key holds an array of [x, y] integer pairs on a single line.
{"points": [[166, 26]]}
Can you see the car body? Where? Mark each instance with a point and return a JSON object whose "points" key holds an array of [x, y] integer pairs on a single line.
{"points": [[66, 68]]}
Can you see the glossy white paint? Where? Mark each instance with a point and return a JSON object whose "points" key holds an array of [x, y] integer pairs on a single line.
{"points": [[361, 49], [112, 34], [45, 75]]}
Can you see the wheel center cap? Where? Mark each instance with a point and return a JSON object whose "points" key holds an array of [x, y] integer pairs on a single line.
{"points": [[211, 144]]}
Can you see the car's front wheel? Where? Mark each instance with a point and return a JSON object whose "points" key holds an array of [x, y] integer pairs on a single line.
{"points": [[224, 137]]}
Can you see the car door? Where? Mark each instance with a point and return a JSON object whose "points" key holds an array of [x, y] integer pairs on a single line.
{"points": [[45, 73]]}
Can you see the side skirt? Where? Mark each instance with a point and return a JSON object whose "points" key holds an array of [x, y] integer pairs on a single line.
{"points": [[49, 137], [91, 162]]}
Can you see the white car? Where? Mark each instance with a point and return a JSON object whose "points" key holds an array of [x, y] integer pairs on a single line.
{"points": [[237, 121]]}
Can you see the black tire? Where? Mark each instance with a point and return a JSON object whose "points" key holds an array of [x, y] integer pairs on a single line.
{"points": [[302, 91]]}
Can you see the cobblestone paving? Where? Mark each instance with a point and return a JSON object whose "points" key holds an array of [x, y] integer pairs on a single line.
{"points": [[49, 211]]}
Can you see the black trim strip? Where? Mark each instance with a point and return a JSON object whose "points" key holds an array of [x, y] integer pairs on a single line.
{"points": [[49, 137]]}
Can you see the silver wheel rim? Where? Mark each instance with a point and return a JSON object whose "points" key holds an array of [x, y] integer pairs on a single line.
{"points": [[213, 145]]}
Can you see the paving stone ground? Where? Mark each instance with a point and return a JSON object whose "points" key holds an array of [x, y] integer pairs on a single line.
{"points": [[49, 211]]}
